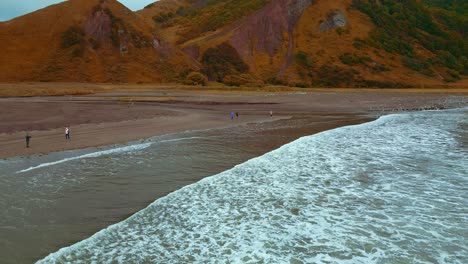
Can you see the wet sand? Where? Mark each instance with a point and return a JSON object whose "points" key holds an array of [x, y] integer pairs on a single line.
{"points": [[119, 117]]}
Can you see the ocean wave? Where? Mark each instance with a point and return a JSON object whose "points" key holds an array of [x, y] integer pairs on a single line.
{"points": [[392, 190]]}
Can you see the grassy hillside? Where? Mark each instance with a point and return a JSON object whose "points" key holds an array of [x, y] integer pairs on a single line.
{"points": [[384, 43], [197, 17], [436, 27], [459, 7], [321, 43], [215, 14], [86, 41]]}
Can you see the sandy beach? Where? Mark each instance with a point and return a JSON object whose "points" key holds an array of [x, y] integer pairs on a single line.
{"points": [[113, 117], [55, 206]]}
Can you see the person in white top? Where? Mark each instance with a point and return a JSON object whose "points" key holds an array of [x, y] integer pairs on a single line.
{"points": [[67, 133]]}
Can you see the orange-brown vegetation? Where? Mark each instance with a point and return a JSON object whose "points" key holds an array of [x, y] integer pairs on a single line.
{"points": [[86, 41], [308, 43], [52, 89], [195, 78], [41, 89]]}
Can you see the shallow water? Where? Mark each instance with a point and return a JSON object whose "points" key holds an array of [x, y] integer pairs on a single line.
{"points": [[391, 191], [51, 201]]}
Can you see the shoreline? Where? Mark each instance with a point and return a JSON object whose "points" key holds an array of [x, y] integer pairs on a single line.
{"points": [[139, 130], [271, 186], [101, 207], [121, 117], [348, 120], [170, 166]]}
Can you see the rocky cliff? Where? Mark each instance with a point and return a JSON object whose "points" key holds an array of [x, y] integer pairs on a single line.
{"points": [[86, 41]]}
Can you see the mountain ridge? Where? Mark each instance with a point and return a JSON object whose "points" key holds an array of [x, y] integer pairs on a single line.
{"points": [[85, 41], [304, 43]]}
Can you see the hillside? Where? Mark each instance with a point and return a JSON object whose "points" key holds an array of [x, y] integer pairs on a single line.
{"points": [[320, 43], [86, 41]]}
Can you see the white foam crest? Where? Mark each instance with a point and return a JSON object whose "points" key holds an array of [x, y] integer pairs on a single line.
{"points": [[118, 150], [179, 139], [90, 155]]}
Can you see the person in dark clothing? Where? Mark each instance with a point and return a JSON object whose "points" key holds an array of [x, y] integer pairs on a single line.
{"points": [[28, 137], [237, 114], [67, 133]]}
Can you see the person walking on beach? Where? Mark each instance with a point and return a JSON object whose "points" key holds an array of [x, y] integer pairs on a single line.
{"points": [[28, 137], [67, 133], [237, 114], [271, 113], [232, 115]]}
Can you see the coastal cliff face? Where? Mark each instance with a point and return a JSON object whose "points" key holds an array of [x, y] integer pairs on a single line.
{"points": [[267, 31], [85, 41], [364, 43]]}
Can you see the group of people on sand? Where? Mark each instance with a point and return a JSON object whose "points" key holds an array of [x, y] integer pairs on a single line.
{"points": [[28, 136], [67, 129]]}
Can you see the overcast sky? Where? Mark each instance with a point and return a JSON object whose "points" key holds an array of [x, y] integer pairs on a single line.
{"points": [[12, 8]]}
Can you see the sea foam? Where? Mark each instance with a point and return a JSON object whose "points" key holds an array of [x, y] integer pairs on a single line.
{"points": [[113, 151], [393, 190], [91, 155]]}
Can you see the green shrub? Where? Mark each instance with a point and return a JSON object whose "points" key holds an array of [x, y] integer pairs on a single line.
{"points": [[94, 43], [380, 84], [463, 61], [334, 76], [359, 43], [242, 80], [195, 78], [77, 52], [451, 76], [163, 17], [301, 85], [303, 59], [74, 35], [116, 25], [340, 31], [459, 7], [423, 67], [446, 58], [378, 67], [437, 25], [353, 59], [276, 81], [221, 61], [215, 14], [138, 39]]}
